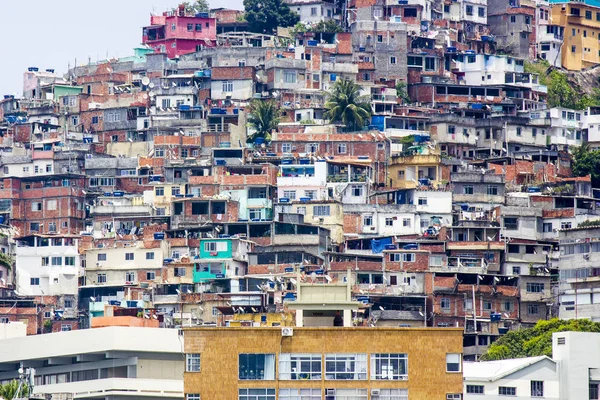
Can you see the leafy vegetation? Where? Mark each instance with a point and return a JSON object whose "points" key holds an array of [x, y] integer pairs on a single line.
{"points": [[194, 7], [536, 341], [586, 162], [9, 390], [588, 223], [402, 92], [264, 116], [264, 16], [346, 105], [561, 93]]}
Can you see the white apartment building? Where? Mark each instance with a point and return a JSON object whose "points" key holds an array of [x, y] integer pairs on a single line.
{"points": [[103, 363], [566, 126], [47, 265], [128, 265], [522, 378]]}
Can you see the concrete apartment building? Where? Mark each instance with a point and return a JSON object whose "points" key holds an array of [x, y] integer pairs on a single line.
{"points": [[104, 363]]}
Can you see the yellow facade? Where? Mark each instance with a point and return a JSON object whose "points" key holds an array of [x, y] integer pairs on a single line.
{"points": [[404, 172], [426, 350], [334, 221], [581, 23], [271, 319], [165, 200]]}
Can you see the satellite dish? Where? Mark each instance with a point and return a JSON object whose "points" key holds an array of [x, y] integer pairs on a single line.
{"points": [[145, 81], [151, 85]]}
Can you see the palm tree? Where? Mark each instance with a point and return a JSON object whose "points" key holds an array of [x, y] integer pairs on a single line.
{"points": [[264, 117], [9, 390], [346, 105]]}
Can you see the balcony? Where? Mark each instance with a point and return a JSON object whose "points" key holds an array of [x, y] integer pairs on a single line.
{"points": [[218, 127], [341, 178], [121, 387], [381, 98]]}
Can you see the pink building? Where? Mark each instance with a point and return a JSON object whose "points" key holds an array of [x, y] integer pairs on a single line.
{"points": [[176, 33]]}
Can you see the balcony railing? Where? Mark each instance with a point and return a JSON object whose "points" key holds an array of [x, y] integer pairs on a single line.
{"points": [[346, 178], [218, 128]]}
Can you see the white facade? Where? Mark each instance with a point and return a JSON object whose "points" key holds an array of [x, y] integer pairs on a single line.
{"points": [[313, 11], [521, 378], [578, 356], [295, 180], [232, 89], [591, 121], [47, 265], [566, 126], [120, 266], [474, 11], [33, 168], [548, 39], [103, 363]]}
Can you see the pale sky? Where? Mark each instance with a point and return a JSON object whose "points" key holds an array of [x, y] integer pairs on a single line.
{"points": [[53, 33]]}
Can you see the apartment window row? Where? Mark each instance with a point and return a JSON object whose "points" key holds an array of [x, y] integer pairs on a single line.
{"points": [[338, 366], [58, 261], [536, 389], [315, 394]]}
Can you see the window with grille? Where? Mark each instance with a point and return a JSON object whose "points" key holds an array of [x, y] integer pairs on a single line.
{"points": [[345, 366], [293, 366], [507, 391], [256, 394], [192, 362], [389, 366], [300, 394]]}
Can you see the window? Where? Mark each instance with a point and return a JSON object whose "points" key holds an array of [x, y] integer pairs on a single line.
{"points": [[51, 205], [573, 49], [507, 391], [192, 362], [129, 256], [342, 148], [289, 194], [513, 18], [293, 366], [533, 287], [101, 257], [481, 12], [453, 396], [150, 275], [36, 206], [198, 27], [68, 303], [511, 223], [487, 306], [492, 190], [357, 190], [256, 394], [257, 367], [468, 189], [533, 309], [547, 227], [299, 394], [445, 304], [347, 394], [422, 201], [45, 261], [392, 60], [368, 220], [101, 278], [311, 194], [468, 304], [588, 15], [469, 10], [190, 27], [345, 366], [389, 366], [112, 116], [565, 225], [379, 38], [65, 328], [56, 261], [453, 362], [150, 255], [393, 394], [594, 392], [406, 222], [129, 276], [179, 271], [389, 222], [301, 210], [312, 147], [286, 147], [289, 76], [228, 86], [313, 11], [95, 120], [34, 281], [508, 306], [34, 226], [321, 211], [192, 397], [159, 191]]}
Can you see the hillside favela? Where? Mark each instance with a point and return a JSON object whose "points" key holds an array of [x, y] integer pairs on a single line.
{"points": [[306, 200]]}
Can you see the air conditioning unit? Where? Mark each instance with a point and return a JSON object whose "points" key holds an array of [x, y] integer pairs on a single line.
{"points": [[287, 332], [330, 392], [375, 392]]}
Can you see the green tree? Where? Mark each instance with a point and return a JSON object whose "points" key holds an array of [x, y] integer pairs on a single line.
{"points": [[560, 92], [9, 390], [589, 222], [402, 92], [264, 16], [536, 341], [326, 26], [264, 116], [346, 105], [586, 162], [194, 7]]}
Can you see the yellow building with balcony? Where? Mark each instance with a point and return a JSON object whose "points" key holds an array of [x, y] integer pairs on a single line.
{"points": [[414, 167], [578, 24]]}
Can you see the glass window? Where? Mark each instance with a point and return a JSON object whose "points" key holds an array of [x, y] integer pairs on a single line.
{"points": [[346, 394], [393, 394], [453, 362], [445, 304], [507, 391], [345, 366], [537, 388], [390, 366], [150, 255], [299, 366], [300, 394], [129, 256], [256, 394], [534, 287], [192, 363], [192, 397], [256, 367], [322, 211], [475, 389]]}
